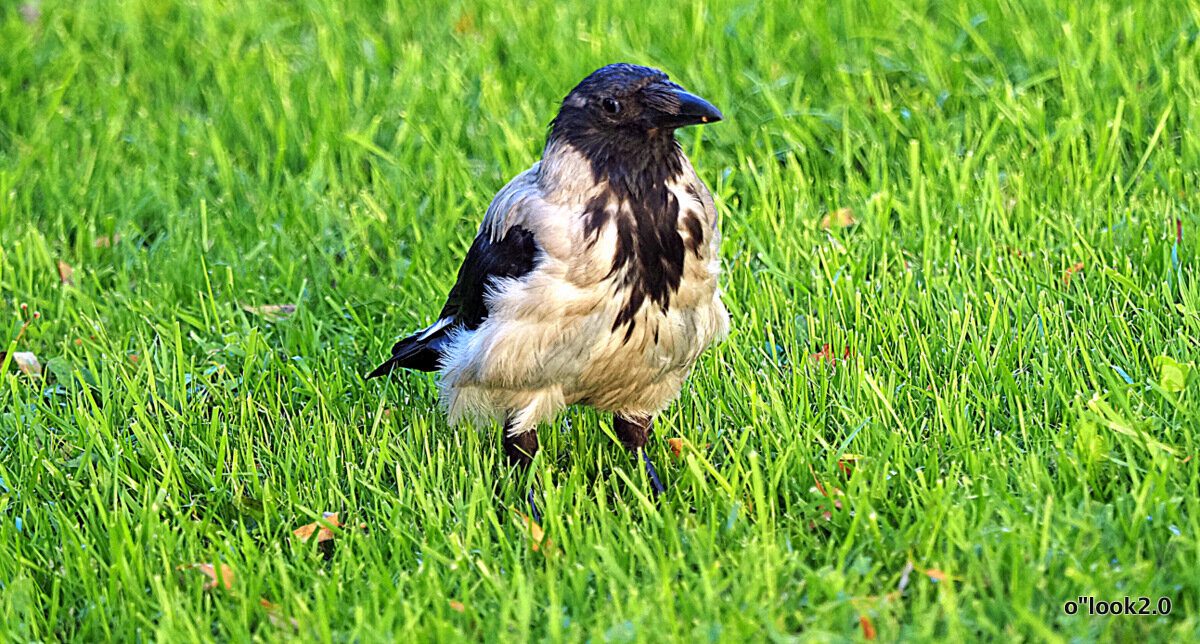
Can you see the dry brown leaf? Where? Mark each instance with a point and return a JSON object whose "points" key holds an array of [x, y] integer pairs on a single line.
{"points": [[272, 312], [226, 580], [66, 273], [676, 445], [820, 488], [1070, 272], [104, 241], [27, 362], [458, 606], [847, 462], [277, 619], [465, 23], [537, 536], [323, 532], [210, 571], [837, 503], [827, 354], [936, 574], [868, 628], [839, 218]]}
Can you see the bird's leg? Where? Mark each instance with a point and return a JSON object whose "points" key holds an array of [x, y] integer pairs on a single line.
{"points": [[634, 433], [520, 449]]}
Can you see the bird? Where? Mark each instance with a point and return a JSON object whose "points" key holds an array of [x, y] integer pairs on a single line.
{"points": [[593, 278]]}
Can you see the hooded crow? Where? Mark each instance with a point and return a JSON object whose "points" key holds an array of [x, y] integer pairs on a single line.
{"points": [[593, 278]]}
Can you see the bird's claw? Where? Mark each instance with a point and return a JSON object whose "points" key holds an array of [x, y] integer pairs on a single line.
{"points": [[533, 511], [650, 471]]}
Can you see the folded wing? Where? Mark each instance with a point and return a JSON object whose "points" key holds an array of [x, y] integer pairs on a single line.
{"points": [[498, 253]]}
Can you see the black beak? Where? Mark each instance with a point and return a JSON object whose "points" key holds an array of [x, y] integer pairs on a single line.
{"points": [[691, 110]]}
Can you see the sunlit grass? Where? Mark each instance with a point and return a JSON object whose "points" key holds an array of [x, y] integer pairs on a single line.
{"points": [[1011, 426]]}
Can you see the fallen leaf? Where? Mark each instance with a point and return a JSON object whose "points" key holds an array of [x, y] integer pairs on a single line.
{"points": [[210, 571], [826, 354], [465, 23], [226, 580], [936, 575], [534, 531], [323, 532], [839, 218], [65, 273], [1070, 272], [272, 312], [837, 503], [868, 628], [104, 241], [458, 606], [676, 445], [27, 362], [820, 488], [847, 462], [276, 619]]}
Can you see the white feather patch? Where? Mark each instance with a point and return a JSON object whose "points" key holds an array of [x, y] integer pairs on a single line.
{"points": [[436, 326]]}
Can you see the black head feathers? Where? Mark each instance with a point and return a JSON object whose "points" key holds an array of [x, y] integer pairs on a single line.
{"points": [[627, 109], [622, 119]]}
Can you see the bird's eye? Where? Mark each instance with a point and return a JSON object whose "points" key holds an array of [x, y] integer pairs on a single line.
{"points": [[611, 105]]}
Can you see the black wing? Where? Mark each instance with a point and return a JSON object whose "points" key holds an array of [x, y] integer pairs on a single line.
{"points": [[487, 261]]}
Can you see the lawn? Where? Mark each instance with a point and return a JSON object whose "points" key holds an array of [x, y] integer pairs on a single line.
{"points": [[961, 388]]}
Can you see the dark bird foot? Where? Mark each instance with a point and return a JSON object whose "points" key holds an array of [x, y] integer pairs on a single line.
{"points": [[520, 449], [634, 433], [658, 486], [533, 510]]}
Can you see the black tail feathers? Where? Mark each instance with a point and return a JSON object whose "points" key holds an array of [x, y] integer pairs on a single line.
{"points": [[421, 351]]}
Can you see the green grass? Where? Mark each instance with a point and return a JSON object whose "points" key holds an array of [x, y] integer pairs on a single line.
{"points": [[1014, 430]]}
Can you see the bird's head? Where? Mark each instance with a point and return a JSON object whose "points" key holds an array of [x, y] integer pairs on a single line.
{"points": [[625, 109]]}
